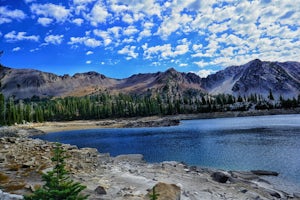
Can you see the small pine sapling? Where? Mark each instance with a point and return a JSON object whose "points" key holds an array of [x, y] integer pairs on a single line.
{"points": [[58, 183]]}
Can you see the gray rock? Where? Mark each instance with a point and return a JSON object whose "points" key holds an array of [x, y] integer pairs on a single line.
{"points": [[100, 190], [7, 196], [297, 195], [220, 177], [129, 158]]}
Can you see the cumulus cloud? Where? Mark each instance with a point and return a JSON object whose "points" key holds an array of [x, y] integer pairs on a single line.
{"points": [[204, 72], [13, 36], [88, 62], [165, 51], [16, 49], [89, 53], [29, 1], [78, 21], [82, 1], [89, 42], [104, 35], [130, 30], [7, 15], [98, 14], [129, 51], [58, 12], [44, 21], [54, 39]]}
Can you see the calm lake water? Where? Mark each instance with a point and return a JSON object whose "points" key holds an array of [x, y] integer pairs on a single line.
{"points": [[246, 143]]}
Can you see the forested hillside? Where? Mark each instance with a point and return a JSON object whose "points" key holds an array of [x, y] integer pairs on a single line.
{"points": [[105, 105]]}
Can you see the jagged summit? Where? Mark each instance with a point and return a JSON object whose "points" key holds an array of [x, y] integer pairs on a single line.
{"points": [[256, 76]]}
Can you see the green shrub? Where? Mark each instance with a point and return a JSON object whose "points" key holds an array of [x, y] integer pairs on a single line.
{"points": [[58, 184]]}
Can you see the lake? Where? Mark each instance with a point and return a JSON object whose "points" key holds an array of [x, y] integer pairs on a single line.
{"points": [[245, 143]]}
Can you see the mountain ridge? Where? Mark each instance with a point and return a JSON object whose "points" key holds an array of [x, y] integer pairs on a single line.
{"points": [[256, 76]]}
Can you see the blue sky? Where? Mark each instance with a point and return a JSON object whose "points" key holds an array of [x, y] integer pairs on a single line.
{"points": [[121, 37]]}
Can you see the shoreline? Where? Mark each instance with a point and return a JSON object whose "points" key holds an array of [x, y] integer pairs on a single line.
{"points": [[130, 177], [151, 121], [132, 169]]}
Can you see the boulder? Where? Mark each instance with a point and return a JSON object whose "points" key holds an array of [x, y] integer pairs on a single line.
{"points": [[220, 177], [100, 190], [166, 191]]}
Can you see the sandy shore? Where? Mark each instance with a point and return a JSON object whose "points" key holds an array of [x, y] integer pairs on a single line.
{"points": [[153, 121]]}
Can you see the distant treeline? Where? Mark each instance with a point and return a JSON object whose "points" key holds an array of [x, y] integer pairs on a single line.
{"points": [[105, 105]]}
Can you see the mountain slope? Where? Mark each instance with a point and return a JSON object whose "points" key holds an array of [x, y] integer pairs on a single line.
{"points": [[26, 83], [256, 77], [169, 81]]}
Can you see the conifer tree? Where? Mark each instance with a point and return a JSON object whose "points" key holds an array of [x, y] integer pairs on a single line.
{"points": [[58, 183]]}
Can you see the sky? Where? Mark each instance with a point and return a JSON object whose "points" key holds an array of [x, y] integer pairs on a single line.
{"points": [[119, 38]]}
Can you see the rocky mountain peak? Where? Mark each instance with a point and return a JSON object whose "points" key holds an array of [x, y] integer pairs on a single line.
{"points": [[256, 77]]}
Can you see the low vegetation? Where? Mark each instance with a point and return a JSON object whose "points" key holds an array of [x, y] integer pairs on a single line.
{"points": [[58, 184]]}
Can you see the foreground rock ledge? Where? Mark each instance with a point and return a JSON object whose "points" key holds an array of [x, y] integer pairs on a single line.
{"points": [[22, 160]]}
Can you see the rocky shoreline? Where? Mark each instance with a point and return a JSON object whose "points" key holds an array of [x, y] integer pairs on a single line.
{"points": [[125, 177]]}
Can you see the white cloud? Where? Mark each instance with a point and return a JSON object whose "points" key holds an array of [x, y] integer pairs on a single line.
{"points": [[54, 39], [196, 47], [127, 18], [16, 49], [115, 31], [78, 21], [13, 36], [205, 72], [130, 30], [129, 51], [117, 8], [146, 32], [44, 21], [88, 62], [149, 7], [89, 42], [58, 12], [7, 15], [183, 65], [181, 49], [99, 14], [82, 1], [104, 35], [89, 53], [29, 1]]}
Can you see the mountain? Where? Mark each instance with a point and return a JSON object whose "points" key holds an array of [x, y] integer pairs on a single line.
{"points": [[282, 78], [170, 81], [27, 83]]}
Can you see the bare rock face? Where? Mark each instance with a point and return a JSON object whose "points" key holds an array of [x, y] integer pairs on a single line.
{"points": [[256, 77]]}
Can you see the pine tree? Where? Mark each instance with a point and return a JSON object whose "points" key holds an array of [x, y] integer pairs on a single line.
{"points": [[271, 97], [58, 183], [154, 195]]}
